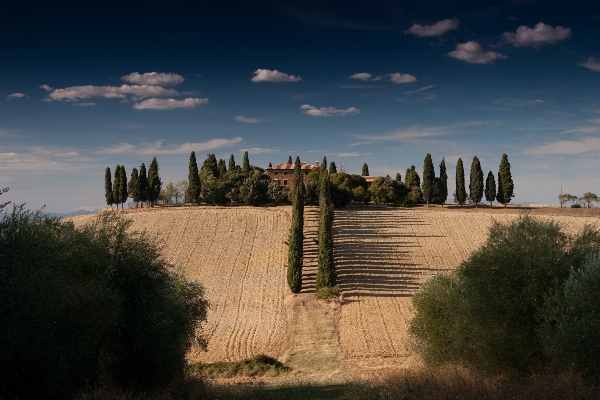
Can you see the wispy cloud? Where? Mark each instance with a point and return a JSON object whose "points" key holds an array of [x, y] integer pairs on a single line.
{"points": [[46, 87], [169, 104], [417, 132], [363, 76], [568, 147], [110, 92], [424, 88], [472, 53], [538, 35], [437, 29], [241, 118], [259, 150], [519, 102], [266, 75], [395, 77], [15, 96], [85, 104], [328, 111], [157, 147], [153, 78], [584, 130], [591, 64]]}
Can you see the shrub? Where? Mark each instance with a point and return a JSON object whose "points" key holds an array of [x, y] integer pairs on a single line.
{"points": [[328, 293]]}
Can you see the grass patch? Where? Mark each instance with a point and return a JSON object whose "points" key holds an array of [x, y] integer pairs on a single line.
{"points": [[328, 293], [259, 365], [301, 391]]}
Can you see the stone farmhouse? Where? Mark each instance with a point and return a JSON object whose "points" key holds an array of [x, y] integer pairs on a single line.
{"points": [[284, 173]]}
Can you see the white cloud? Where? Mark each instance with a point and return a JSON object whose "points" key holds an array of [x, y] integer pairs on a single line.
{"points": [[153, 78], [85, 104], [397, 77], [538, 35], [592, 64], [584, 129], [15, 96], [327, 111], [259, 150], [472, 53], [46, 87], [352, 154], [157, 147], [241, 118], [437, 29], [363, 76], [424, 88], [169, 104], [110, 92], [266, 75], [568, 147], [417, 132]]}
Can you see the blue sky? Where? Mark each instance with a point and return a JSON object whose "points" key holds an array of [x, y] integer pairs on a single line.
{"points": [[88, 85]]}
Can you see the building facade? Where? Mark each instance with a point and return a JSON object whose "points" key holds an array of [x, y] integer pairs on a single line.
{"points": [[283, 174]]}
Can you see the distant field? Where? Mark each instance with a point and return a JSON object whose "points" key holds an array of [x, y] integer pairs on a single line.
{"points": [[382, 254]]}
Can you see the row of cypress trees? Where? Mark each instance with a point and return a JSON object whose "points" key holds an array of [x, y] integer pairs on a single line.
{"points": [[141, 188], [505, 189], [296, 240]]}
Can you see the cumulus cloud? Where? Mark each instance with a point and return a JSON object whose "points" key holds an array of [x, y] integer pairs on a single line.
{"points": [[110, 92], [258, 150], [157, 147], [363, 76], [153, 78], [267, 75], [241, 118], [568, 147], [536, 36], [15, 96], [327, 111], [472, 53], [437, 29], [424, 88], [592, 64], [46, 87], [169, 104]]}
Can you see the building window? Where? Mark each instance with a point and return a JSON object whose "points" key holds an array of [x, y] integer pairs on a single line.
{"points": [[305, 172], [285, 172], [276, 181], [285, 182], [275, 173]]}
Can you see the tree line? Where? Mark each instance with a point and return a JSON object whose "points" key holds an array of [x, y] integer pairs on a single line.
{"points": [[141, 187], [586, 200]]}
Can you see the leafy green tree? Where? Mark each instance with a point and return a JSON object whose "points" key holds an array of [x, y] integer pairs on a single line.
{"points": [[253, 191], [588, 198], [221, 167], [182, 189], [490, 188], [154, 182], [167, 194], [326, 274], [108, 193], [246, 164], [274, 192], [360, 195], [505, 182], [289, 161], [210, 166], [117, 186], [296, 240], [443, 184], [412, 178], [365, 170], [384, 190], [461, 193], [476, 182], [143, 184], [123, 195], [332, 168], [428, 179], [133, 187], [194, 185], [231, 165]]}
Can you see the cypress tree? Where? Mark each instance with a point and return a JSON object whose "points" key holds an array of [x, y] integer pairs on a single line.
{"points": [[231, 165], [505, 182], [408, 178], [246, 164], [221, 167], [270, 165], [134, 186], [365, 170], [415, 179], [428, 179], [476, 182], [490, 188], [193, 190], [332, 168], [143, 184], [398, 177], [123, 186], [324, 164], [443, 184], [154, 183], [210, 165], [108, 193], [461, 193], [326, 275], [295, 251], [117, 186], [289, 161]]}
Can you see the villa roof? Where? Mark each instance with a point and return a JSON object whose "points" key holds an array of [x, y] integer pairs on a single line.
{"points": [[303, 166]]}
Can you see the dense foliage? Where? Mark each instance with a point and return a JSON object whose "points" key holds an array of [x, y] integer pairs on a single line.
{"points": [[505, 182], [460, 196], [326, 274], [476, 182], [295, 242], [427, 186]]}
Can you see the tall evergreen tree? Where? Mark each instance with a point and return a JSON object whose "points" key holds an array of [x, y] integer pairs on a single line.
{"points": [[415, 179], [270, 165], [365, 170], [210, 166], [295, 250], [143, 184], [231, 165], [428, 179], [108, 193], [117, 186], [332, 168], [443, 184], [123, 186], [221, 167], [326, 275], [476, 182], [490, 188], [398, 177], [408, 178], [246, 164], [289, 161], [461, 193], [154, 182], [193, 190], [505, 182], [324, 164], [133, 186]]}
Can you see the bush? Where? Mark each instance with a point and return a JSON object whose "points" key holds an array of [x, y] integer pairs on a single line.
{"points": [[487, 314], [256, 366], [82, 307], [328, 293]]}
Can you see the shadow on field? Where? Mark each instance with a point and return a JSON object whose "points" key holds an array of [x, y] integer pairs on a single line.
{"points": [[339, 392]]}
